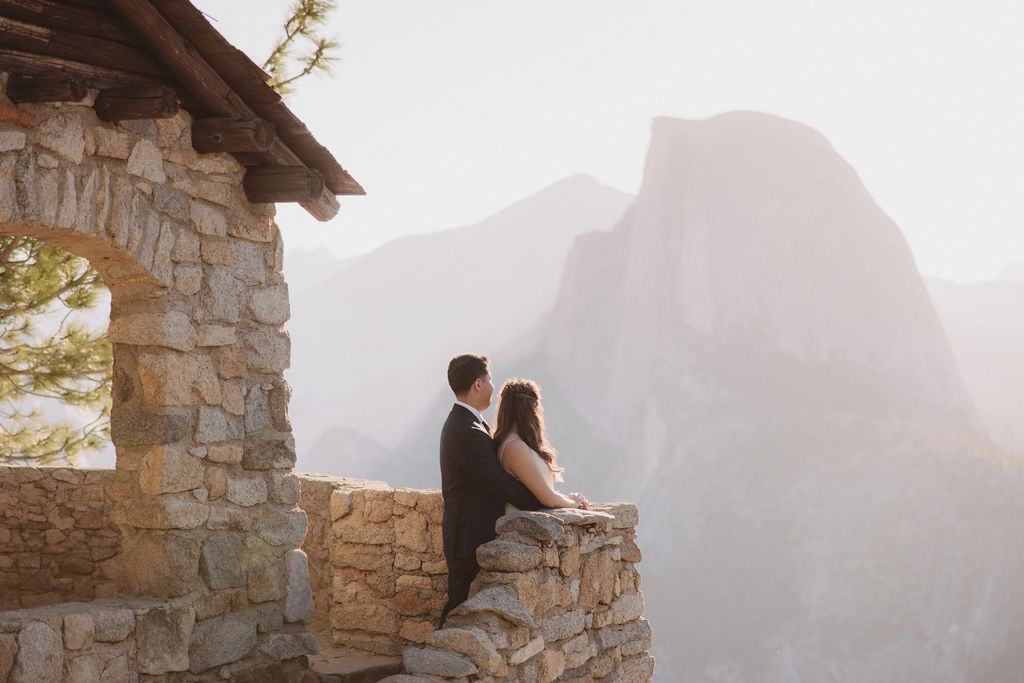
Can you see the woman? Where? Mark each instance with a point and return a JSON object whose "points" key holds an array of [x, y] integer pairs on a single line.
{"points": [[523, 449]]}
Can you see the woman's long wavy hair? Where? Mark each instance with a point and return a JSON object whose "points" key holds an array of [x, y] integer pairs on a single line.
{"points": [[520, 409]]}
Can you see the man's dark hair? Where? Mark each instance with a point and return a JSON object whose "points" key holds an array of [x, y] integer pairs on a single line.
{"points": [[465, 369]]}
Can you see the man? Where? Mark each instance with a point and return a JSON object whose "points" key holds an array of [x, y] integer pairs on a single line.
{"points": [[474, 486]]}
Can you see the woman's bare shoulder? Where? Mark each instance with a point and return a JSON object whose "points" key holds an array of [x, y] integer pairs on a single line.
{"points": [[517, 450]]}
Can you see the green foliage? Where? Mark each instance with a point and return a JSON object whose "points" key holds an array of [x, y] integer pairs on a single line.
{"points": [[305, 20], [71, 365]]}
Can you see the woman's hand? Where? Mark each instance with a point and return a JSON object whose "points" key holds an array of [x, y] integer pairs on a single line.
{"points": [[580, 500]]}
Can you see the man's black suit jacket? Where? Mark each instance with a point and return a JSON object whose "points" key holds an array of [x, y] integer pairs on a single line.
{"points": [[474, 485]]}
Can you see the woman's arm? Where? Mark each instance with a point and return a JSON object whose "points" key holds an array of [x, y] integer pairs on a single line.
{"points": [[521, 462]]}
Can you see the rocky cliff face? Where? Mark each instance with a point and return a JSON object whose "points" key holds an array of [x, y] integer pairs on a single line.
{"points": [[985, 325], [750, 238], [752, 354]]}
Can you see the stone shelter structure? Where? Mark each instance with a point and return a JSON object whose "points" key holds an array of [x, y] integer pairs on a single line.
{"points": [[132, 134]]}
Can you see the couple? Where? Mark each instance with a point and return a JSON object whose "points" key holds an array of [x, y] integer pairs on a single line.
{"points": [[480, 474]]}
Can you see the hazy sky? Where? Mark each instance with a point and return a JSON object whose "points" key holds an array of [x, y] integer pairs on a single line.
{"points": [[447, 111]]}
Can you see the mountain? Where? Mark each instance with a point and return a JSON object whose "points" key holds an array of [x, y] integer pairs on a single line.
{"points": [[751, 354], [985, 325], [374, 339], [305, 269]]}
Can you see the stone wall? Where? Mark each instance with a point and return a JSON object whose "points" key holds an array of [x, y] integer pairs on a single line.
{"points": [[55, 536], [376, 561], [126, 641], [202, 493], [558, 598]]}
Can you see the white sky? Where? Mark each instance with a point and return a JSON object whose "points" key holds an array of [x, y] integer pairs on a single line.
{"points": [[447, 111]]}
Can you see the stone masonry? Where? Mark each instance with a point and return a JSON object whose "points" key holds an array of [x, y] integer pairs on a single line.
{"points": [[377, 562], [203, 495], [558, 596], [55, 536], [557, 599]]}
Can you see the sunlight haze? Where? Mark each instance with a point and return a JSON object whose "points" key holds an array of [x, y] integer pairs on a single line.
{"points": [[448, 111]]}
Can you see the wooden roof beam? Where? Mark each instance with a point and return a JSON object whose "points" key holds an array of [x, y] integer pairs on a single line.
{"points": [[70, 17], [22, 89], [203, 81], [232, 135], [273, 184], [45, 66], [20, 35], [126, 104], [182, 60]]}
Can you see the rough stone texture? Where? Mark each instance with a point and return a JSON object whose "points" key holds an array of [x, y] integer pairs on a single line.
{"points": [[266, 453], [436, 662], [167, 469], [162, 637], [214, 425], [298, 599], [268, 351], [288, 645], [40, 657], [597, 580], [221, 561], [532, 648], [560, 627], [172, 330], [63, 134], [264, 580], [270, 304], [498, 600], [508, 556], [472, 642], [146, 161], [11, 140], [70, 534], [79, 629], [246, 491], [221, 640], [114, 624], [550, 665], [578, 650], [8, 648], [208, 220], [177, 379], [157, 564], [282, 527], [197, 302], [536, 525]]}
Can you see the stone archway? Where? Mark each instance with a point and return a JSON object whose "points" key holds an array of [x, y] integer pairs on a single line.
{"points": [[203, 489]]}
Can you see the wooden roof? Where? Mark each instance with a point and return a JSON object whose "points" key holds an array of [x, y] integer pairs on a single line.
{"points": [[145, 43]]}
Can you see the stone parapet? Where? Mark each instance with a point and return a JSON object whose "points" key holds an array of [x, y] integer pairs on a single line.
{"points": [[558, 598], [56, 539], [377, 563]]}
